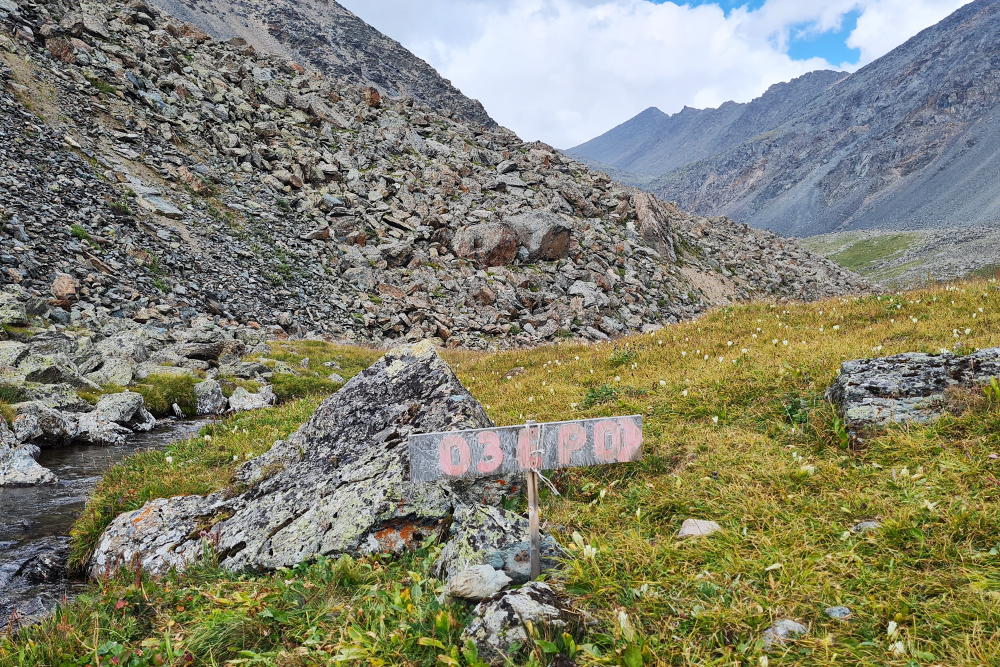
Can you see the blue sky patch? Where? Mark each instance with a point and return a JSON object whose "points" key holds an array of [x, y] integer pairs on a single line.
{"points": [[832, 45], [804, 41]]}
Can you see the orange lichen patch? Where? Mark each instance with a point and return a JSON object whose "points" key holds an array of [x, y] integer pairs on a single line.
{"points": [[143, 516], [404, 534]]}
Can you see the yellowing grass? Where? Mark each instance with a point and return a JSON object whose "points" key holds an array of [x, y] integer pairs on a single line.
{"points": [[742, 437]]}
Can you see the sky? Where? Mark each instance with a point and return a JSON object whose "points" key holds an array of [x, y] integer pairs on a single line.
{"points": [[566, 71]]}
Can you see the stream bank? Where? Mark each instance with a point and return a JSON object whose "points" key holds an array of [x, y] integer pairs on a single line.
{"points": [[35, 521]]}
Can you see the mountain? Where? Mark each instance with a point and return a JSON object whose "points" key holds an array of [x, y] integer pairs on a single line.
{"points": [[151, 173], [653, 143], [909, 141], [328, 38]]}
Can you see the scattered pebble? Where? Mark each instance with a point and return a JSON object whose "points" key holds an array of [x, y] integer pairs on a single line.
{"points": [[698, 528]]}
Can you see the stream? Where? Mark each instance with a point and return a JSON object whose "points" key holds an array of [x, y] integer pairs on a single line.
{"points": [[35, 521]]}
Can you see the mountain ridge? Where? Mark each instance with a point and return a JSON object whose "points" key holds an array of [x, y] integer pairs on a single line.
{"points": [[329, 38], [907, 141]]}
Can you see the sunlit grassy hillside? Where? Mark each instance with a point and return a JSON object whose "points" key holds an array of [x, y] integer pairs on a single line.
{"points": [[736, 431]]}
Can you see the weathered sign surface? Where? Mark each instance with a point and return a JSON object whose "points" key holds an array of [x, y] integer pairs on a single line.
{"points": [[512, 449]]}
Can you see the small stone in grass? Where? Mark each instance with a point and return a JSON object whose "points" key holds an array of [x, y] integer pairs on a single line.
{"points": [[698, 528], [477, 583], [866, 526], [334, 377], [839, 613], [783, 630]]}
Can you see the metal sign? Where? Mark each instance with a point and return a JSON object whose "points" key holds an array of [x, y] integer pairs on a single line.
{"points": [[528, 449], [513, 449]]}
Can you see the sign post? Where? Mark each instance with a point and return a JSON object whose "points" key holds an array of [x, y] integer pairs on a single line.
{"points": [[528, 449]]}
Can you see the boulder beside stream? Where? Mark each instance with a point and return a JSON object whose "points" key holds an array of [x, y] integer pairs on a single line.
{"points": [[339, 485], [17, 462]]}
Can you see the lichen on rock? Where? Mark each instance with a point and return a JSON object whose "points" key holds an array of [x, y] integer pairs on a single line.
{"points": [[338, 485]]}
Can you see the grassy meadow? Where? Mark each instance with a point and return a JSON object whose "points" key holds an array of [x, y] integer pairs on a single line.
{"points": [[736, 431]]}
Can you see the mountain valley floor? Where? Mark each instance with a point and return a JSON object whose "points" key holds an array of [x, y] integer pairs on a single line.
{"points": [[737, 431]]}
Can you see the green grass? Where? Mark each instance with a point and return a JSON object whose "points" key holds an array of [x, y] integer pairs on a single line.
{"points": [[7, 412], [863, 255], [161, 392], [743, 438], [79, 232]]}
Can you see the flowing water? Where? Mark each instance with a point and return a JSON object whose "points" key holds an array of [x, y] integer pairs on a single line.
{"points": [[35, 521]]}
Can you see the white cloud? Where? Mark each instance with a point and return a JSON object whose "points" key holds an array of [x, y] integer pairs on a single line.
{"points": [[564, 71]]}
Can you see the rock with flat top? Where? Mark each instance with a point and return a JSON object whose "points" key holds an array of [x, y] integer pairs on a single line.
{"points": [[906, 387], [243, 401], [338, 485], [477, 583]]}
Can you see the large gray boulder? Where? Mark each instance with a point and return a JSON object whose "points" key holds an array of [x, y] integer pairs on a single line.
{"points": [[210, 398], [116, 417], [487, 244], [52, 369], [906, 387], [243, 401], [544, 234], [17, 462], [46, 423], [339, 485]]}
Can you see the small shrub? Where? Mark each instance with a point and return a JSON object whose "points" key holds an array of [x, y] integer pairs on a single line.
{"points": [[93, 396], [7, 412], [80, 233], [160, 392], [602, 394], [622, 357], [120, 208], [288, 387], [160, 285], [10, 394]]}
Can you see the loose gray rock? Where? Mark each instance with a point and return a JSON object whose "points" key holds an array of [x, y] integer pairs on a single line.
{"points": [[486, 535], [866, 526], [338, 485], [243, 401], [544, 234], [488, 244], [906, 387], [782, 631], [477, 583], [498, 622], [17, 462], [839, 613], [210, 398], [698, 528]]}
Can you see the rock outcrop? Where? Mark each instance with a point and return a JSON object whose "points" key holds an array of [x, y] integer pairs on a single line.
{"points": [[338, 485], [499, 623], [906, 387]]}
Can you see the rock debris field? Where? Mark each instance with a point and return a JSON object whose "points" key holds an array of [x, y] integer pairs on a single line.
{"points": [[153, 174]]}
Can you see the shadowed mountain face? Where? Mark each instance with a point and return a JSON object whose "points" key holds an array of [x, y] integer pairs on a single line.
{"points": [[909, 141], [325, 36]]}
